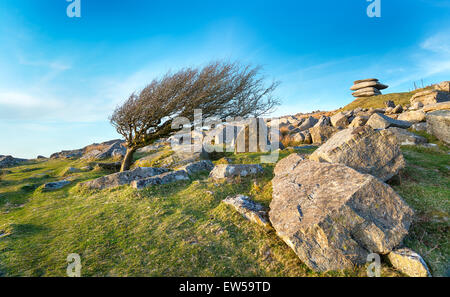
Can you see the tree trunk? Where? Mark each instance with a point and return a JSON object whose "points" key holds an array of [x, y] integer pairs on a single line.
{"points": [[127, 160]]}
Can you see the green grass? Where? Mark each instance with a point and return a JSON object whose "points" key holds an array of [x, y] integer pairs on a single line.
{"points": [[378, 101], [183, 229]]}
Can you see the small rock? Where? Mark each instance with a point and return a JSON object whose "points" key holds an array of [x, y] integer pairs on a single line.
{"points": [[339, 120], [251, 210], [161, 179], [322, 134], [358, 121], [421, 127], [389, 103], [71, 170], [409, 262], [379, 121], [123, 178], [323, 121], [308, 123], [228, 170], [412, 116], [56, 185]]}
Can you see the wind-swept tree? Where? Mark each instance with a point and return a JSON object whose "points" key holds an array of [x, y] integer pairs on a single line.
{"points": [[220, 90]]}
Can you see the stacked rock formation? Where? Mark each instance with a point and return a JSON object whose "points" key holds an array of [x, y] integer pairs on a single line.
{"points": [[367, 88]]}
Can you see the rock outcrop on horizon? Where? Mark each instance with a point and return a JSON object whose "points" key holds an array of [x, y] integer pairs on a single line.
{"points": [[10, 161], [367, 88]]}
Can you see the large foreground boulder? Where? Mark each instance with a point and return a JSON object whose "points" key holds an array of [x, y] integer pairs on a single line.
{"points": [[333, 216], [123, 178], [364, 149], [193, 168], [438, 124], [115, 150]]}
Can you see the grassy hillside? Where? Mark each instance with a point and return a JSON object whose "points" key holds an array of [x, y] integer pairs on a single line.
{"points": [[378, 101], [183, 229]]}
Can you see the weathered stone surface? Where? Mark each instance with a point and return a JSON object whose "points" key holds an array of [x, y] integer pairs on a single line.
{"points": [[363, 149], [430, 97], [161, 179], [339, 120], [437, 106], [308, 123], [300, 136], [323, 121], [409, 262], [358, 121], [419, 127], [204, 165], [367, 84], [416, 106], [438, 124], [415, 116], [114, 166], [369, 90], [9, 161], [56, 185], [321, 134], [115, 150], [333, 216], [233, 170], [365, 80], [380, 121], [123, 178], [249, 209], [404, 137], [443, 86]]}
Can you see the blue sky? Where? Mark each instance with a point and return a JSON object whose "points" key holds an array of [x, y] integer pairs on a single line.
{"points": [[60, 77]]}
